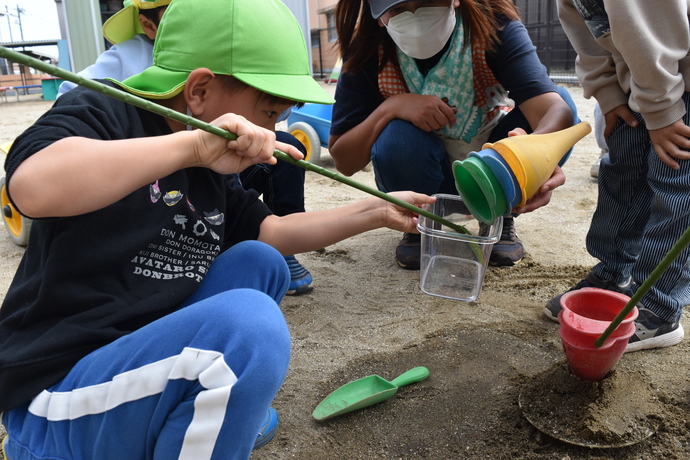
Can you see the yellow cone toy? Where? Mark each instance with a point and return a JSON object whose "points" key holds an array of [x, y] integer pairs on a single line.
{"points": [[533, 157]]}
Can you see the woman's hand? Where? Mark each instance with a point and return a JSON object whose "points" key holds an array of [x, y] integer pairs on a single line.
{"points": [[543, 195], [351, 151], [517, 132], [428, 113]]}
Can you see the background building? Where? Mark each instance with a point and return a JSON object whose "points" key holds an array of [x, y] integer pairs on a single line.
{"points": [[80, 28], [324, 56]]}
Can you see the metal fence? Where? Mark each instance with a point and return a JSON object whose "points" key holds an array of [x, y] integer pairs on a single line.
{"points": [[540, 17]]}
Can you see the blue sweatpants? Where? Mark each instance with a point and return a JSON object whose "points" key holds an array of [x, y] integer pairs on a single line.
{"points": [[195, 384]]}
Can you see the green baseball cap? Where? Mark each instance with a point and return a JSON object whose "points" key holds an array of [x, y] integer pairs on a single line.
{"points": [[124, 24], [259, 42]]}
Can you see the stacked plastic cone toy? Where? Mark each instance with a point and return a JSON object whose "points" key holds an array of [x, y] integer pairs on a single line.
{"points": [[509, 172]]}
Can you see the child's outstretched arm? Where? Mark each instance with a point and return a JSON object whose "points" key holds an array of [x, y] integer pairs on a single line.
{"points": [[77, 175], [309, 231]]}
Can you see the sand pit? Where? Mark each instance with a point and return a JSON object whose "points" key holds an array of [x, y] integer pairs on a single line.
{"points": [[367, 316]]}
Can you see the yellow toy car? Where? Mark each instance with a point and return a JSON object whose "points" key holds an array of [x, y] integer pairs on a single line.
{"points": [[17, 225], [310, 124]]}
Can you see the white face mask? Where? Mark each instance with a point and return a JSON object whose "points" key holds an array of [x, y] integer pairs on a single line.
{"points": [[423, 33]]}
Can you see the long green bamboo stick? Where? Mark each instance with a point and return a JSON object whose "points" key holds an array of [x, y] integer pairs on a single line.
{"points": [[183, 118], [670, 256]]}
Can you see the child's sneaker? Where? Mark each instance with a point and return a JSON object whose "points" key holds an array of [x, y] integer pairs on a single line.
{"points": [[654, 332], [300, 278], [594, 169], [553, 306], [268, 429]]}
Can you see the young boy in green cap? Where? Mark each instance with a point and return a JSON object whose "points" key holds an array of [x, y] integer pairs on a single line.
{"points": [[133, 30], [143, 321]]}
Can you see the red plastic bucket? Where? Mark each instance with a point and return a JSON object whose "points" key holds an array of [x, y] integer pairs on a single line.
{"points": [[585, 315]]}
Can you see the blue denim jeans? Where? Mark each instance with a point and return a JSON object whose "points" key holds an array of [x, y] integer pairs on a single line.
{"points": [[405, 157], [195, 384]]}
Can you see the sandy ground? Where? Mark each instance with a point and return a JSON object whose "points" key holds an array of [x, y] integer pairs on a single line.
{"points": [[486, 358]]}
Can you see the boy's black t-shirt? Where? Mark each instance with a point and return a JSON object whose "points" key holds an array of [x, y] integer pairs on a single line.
{"points": [[87, 280]]}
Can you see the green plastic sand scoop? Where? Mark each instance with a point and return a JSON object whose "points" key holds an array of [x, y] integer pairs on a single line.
{"points": [[365, 392]]}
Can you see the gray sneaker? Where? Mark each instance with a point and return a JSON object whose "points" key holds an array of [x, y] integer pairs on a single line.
{"points": [[508, 250], [654, 332], [553, 306]]}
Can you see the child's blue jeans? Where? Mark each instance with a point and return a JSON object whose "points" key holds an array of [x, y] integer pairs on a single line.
{"points": [[195, 384]]}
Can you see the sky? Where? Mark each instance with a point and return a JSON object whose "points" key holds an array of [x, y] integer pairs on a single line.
{"points": [[39, 21]]}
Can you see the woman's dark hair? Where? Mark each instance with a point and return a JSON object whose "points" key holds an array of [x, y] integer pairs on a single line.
{"points": [[359, 34]]}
